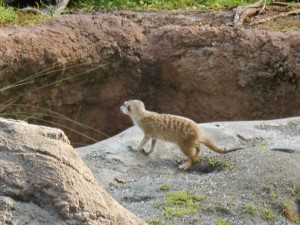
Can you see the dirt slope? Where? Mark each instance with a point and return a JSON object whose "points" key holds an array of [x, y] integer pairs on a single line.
{"points": [[186, 64]]}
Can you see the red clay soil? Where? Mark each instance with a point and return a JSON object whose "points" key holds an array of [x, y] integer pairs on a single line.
{"points": [[193, 66]]}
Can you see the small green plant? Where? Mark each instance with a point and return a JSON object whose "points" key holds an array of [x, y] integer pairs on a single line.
{"points": [[267, 213], [156, 203], [156, 222], [180, 203], [7, 15], [250, 209], [217, 162], [221, 221], [10, 16], [119, 186], [263, 145], [165, 187], [271, 190], [293, 191]]}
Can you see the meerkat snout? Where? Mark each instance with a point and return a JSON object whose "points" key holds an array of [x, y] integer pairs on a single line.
{"points": [[124, 109]]}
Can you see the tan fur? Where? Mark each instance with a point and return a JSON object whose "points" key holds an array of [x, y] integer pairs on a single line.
{"points": [[179, 130]]}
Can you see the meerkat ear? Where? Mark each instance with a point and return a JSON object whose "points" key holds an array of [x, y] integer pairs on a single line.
{"points": [[142, 105]]}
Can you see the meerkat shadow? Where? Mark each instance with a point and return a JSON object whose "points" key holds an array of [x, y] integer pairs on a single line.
{"points": [[207, 165], [141, 152]]}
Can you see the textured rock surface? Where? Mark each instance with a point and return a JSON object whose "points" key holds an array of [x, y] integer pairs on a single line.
{"points": [[175, 63], [43, 181], [255, 177]]}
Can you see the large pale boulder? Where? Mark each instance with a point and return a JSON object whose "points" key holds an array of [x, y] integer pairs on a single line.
{"points": [[44, 181], [259, 184]]}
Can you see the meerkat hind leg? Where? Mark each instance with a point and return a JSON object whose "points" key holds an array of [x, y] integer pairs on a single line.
{"points": [[192, 158], [186, 165], [198, 149]]}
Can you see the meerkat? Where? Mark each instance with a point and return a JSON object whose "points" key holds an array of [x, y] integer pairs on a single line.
{"points": [[176, 129]]}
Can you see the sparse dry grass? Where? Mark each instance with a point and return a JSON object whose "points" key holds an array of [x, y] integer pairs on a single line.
{"points": [[10, 17], [291, 23]]}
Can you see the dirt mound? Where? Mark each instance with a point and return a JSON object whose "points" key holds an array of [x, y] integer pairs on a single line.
{"points": [[85, 66], [43, 181]]}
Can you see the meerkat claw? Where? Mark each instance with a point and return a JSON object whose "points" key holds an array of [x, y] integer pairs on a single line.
{"points": [[145, 152], [130, 148], [185, 166]]}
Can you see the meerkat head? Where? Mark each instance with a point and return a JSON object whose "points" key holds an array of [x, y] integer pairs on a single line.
{"points": [[133, 108]]}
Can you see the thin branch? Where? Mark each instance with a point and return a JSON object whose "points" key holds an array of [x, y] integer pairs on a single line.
{"points": [[269, 18]]}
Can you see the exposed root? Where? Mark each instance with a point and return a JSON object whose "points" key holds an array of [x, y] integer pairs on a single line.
{"points": [[244, 13], [280, 15]]}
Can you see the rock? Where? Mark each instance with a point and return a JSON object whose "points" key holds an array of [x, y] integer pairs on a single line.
{"points": [[43, 181], [255, 177], [176, 64]]}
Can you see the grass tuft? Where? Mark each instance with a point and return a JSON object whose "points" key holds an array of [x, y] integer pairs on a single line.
{"points": [[267, 213], [165, 187], [221, 221], [180, 203], [11, 17], [155, 5], [37, 113], [156, 222], [250, 209]]}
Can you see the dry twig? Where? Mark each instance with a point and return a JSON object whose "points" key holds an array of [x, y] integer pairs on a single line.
{"points": [[244, 12]]}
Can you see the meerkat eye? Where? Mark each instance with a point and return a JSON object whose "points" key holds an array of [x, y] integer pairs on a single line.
{"points": [[128, 108]]}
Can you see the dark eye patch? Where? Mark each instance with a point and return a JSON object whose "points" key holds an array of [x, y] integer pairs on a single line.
{"points": [[128, 108]]}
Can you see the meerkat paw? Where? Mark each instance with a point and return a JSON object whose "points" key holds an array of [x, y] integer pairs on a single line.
{"points": [[185, 166], [130, 148], [145, 152], [196, 160]]}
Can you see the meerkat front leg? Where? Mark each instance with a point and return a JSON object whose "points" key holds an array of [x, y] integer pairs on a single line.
{"points": [[153, 142], [145, 139]]}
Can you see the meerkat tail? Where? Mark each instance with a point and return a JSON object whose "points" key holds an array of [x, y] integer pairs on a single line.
{"points": [[232, 150], [215, 148]]}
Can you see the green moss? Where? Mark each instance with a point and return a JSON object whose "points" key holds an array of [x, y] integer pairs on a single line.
{"points": [[165, 187], [156, 222], [269, 188], [217, 162], [263, 145], [293, 191], [267, 213], [250, 209], [221, 221], [180, 203]]}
